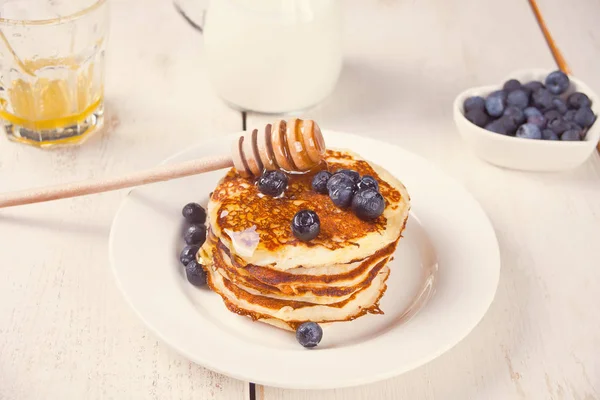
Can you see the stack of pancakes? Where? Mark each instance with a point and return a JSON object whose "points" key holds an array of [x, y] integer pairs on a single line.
{"points": [[261, 270]]}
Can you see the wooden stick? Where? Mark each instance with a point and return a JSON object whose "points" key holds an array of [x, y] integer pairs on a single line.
{"points": [[157, 174], [295, 145], [556, 53]]}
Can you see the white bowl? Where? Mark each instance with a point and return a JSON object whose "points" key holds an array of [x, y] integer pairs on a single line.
{"points": [[526, 154]]}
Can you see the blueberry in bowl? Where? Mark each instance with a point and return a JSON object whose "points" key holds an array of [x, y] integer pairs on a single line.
{"points": [[551, 101]]}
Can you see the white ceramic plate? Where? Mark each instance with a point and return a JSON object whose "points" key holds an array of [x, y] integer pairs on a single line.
{"points": [[444, 277]]}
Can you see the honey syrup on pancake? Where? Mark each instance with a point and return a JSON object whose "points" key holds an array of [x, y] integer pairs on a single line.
{"points": [[267, 219]]}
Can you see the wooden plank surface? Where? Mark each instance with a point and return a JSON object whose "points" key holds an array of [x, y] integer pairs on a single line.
{"points": [[406, 60], [65, 330]]}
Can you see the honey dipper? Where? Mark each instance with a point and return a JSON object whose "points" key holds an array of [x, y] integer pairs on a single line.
{"points": [[295, 145]]}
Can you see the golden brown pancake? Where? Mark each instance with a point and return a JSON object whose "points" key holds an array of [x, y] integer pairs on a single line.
{"points": [[257, 227], [261, 270]]}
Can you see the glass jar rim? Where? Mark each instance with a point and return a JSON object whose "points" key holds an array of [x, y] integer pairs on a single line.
{"points": [[57, 20]]}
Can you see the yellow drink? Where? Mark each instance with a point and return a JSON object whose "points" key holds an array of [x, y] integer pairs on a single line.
{"points": [[62, 94]]}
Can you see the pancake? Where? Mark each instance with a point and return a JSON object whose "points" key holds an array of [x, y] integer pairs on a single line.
{"points": [[318, 293], [331, 278], [257, 227], [262, 271], [293, 313]]}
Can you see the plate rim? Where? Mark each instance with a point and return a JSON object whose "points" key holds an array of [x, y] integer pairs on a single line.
{"points": [[296, 383]]}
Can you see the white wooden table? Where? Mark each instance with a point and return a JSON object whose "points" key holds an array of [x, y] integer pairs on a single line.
{"points": [[65, 331]]}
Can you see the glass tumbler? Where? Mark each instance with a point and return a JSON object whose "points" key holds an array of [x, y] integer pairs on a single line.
{"points": [[52, 69]]}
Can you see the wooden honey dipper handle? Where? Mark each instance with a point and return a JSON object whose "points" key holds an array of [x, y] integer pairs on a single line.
{"points": [[295, 145]]}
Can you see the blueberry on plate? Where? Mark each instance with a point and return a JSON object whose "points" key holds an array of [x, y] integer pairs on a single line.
{"points": [[515, 113], [341, 189], [188, 254], [584, 117], [319, 182], [368, 182], [474, 103], [368, 204], [495, 103], [571, 135], [518, 98], [194, 213], [559, 105], [195, 234], [342, 195], [306, 225], [511, 85], [577, 100], [355, 176], [542, 99], [478, 117], [538, 120], [548, 134], [557, 82], [337, 179], [272, 183], [531, 111], [529, 131], [195, 273], [309, 334]]}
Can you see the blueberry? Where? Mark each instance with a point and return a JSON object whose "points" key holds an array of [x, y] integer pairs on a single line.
{"points": [[557, 82], [368, 204], [195, 273], [529, 131], [495, 103], [584, 117], [578, 100], [194, 213], [195, 234], [272, 183], [537, 120], [548, 134], [355, 176], [504, 126], [342, 195], [338, 179], [478, 117], [559, 105], [531, 111], [309, 334], [368, 182], [306, 225], [557, 125], [515, 113], [509, 124], [474, 103], [573, 125], [571, 135], [188, 254], [552, 114], [341, 189], [510, 85], [533, 86], [542, 99], [319, 181], [518, 98], [570, 115]]}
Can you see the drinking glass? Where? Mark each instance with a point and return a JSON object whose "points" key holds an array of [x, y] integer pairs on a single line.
{"points": [[52, 69]]}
